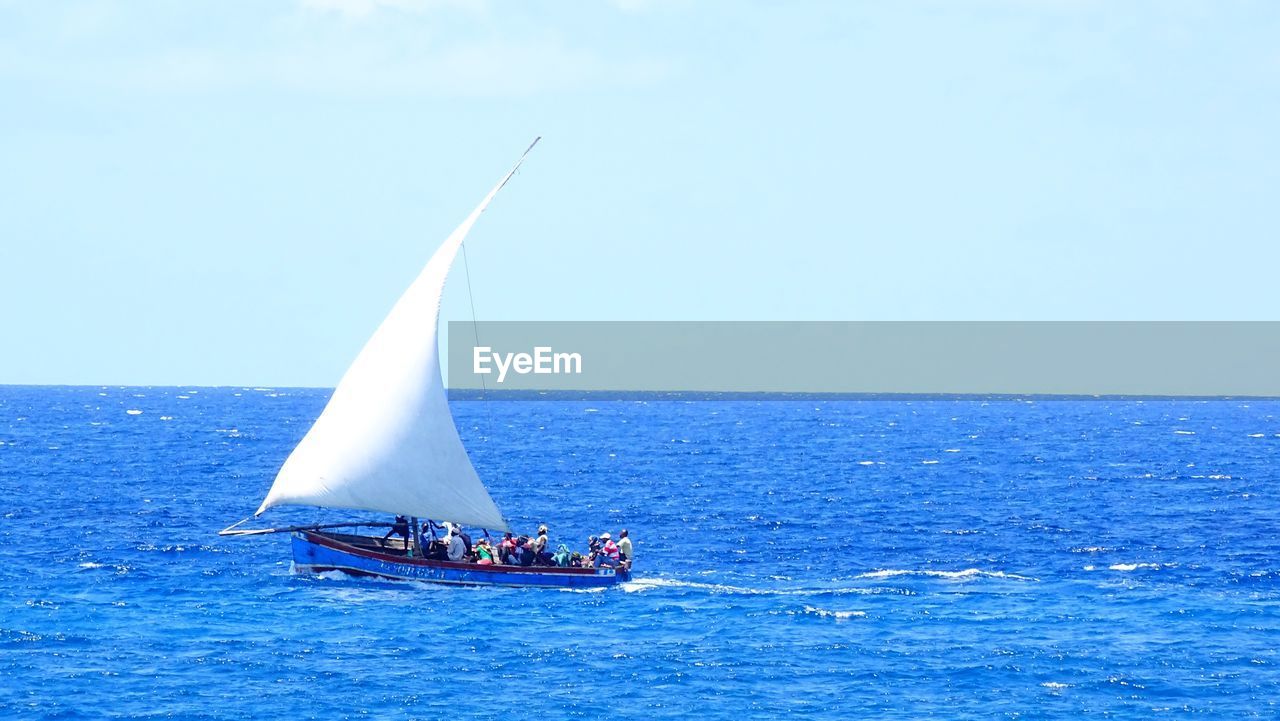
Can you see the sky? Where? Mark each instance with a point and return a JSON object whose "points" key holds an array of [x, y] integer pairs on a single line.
{"points": [[214, 193]]}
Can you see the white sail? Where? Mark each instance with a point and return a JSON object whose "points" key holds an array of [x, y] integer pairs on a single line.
{"points": [[386, 441]]}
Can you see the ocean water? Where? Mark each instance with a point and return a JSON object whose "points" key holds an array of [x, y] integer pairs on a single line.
{"points": [[806, 558]]}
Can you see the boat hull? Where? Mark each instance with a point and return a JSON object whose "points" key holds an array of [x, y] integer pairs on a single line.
{"points": [[315, 552]]}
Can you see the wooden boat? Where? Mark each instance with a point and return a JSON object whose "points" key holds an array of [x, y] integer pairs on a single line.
{"points": [[320, 551], [386, 442]]}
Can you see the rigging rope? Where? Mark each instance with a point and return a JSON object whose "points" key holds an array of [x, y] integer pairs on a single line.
{"points": [[475, 328], [475, 331]]}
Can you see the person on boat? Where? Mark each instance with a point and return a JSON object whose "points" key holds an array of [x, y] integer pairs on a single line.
{"points": [[466, 539], [624, 548], [399, 528], [608, 555], [563, 556], [541, 555], [524, 551], [457, 549], [485, 555], [507, 548], [593, 551], [432, 547]]}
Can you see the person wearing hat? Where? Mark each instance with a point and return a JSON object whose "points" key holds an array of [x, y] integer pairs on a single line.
{"points": [[485, 555], [608, 552], [540, 553], [457, 549]]}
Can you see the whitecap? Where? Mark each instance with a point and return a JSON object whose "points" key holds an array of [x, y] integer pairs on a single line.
{"points": [[325, 575], [166, 418], [592, 410], [92, 564], [1257, 435], [834, 614], [134, 412], [1185, 433], [966, 573], [929, 463], [951, 450], [648, 584], [1132, 566], [866, 463], [1055, 684]]}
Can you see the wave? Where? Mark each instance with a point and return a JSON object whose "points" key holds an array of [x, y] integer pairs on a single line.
{"points": [[834, 614], [648, 584], [966, 573], [1134, 566]]}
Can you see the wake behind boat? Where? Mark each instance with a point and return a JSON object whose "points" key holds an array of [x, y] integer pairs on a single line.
{"points": [[386, 442]]}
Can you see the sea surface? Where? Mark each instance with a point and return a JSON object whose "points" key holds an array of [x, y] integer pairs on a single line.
{"points": [[796, 558]]}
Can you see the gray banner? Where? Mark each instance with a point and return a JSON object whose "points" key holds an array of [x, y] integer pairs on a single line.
{"points": [[950, 358]]}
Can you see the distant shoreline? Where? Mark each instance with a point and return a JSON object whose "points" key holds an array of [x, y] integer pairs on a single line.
{"points": [[469, 394]]}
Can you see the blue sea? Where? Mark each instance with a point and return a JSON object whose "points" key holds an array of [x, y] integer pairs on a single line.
{"points": [[796, 558]]}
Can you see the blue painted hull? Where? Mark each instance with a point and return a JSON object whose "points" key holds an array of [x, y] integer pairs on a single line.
{"points": [[316, 553]]}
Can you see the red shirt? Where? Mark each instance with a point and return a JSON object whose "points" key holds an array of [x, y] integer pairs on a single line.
{"points": [[611, 549]]}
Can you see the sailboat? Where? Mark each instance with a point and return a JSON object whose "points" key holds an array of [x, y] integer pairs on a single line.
{"points": [[386, 442]]}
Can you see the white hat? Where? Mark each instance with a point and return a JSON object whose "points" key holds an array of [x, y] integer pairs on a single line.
{"points": [[605, 536]]}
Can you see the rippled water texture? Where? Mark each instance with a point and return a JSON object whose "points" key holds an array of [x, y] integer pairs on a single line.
{"points": [[887, 559]]}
